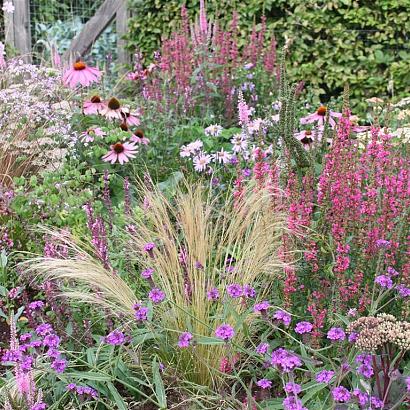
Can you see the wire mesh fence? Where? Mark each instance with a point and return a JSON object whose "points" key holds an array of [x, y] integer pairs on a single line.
{"points": [[54, 23]]}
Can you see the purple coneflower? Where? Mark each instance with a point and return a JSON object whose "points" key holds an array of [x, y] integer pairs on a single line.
{"points": [[112, 109], [139, 138], [131, 118], [81, 74], [320, 117], [121, 152], [93, 106], [91, 133]]}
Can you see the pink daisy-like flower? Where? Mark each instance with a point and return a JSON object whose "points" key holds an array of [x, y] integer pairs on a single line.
{"points": [[112, 109], [81, 73], [309, 137], [93, 106], [131, 118], [121, 152], [91, 133], [305, 137], [201, 162], [320, 117], [139, 138]]}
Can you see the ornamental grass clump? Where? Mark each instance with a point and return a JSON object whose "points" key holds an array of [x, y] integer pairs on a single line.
{"points": [[201, 259]]}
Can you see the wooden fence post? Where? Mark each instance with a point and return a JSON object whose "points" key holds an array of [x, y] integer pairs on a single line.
{"points": [[17, 28], [121, 22], [92, 29]]}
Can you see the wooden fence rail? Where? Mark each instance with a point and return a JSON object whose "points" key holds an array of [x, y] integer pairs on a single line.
{"points": [[18, 29]]}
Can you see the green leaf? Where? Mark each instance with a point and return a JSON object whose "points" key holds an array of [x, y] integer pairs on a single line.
{"points": [[206, 340], [121, 405], [3, 259], [159, 385], [94, 376]]}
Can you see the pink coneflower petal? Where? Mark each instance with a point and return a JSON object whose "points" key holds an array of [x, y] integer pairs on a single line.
{"points": [[93, 106], [320, 117], [81, 74], [121, 152]]}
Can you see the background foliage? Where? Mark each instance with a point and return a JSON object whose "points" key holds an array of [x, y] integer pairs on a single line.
{"points": [[362, 42]]}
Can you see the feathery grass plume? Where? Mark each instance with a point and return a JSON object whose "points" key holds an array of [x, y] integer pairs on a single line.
{"points": [[207, 230], [12, 164], [208, 233]]}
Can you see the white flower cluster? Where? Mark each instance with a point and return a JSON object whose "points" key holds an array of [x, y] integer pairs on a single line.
{"points": [[243, 144], [201, 159]]}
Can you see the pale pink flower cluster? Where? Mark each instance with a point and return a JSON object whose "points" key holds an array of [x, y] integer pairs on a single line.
{"points": [[32, 102], [202, 160]]}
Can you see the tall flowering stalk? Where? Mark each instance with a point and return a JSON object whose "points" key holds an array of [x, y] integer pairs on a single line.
{"points": [[349, 220], [98, 232], [198, 66]]}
